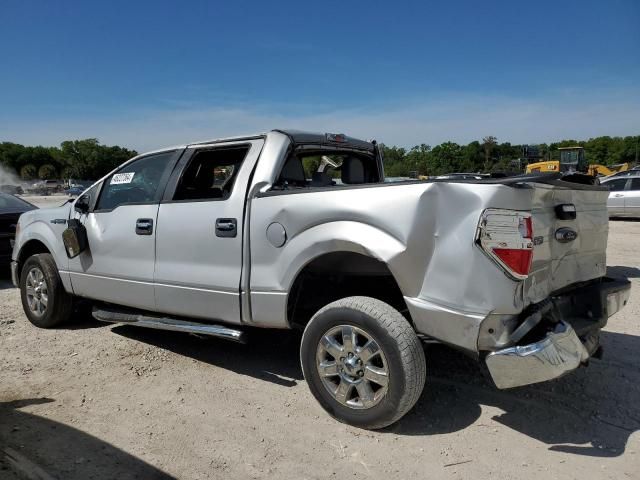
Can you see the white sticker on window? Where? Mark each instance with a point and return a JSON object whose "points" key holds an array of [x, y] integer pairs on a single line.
{"points": [[120, 178]]}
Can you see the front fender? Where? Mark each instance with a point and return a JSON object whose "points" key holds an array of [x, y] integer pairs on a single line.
{"points": [[50, 235]]}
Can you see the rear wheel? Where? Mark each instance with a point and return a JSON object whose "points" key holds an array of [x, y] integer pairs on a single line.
{"points": [[363, 362], [44, 299]]}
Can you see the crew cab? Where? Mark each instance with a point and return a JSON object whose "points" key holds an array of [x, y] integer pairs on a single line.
{"points": [[296, 230]]}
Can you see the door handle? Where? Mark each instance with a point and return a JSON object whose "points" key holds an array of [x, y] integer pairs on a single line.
{"points": [[618, 195], [226, 227], [144, 226]]}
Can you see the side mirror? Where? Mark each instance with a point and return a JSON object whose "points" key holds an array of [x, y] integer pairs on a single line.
{"points": [[75, 238], [82, 204]]}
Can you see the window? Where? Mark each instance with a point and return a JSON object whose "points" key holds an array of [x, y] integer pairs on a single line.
{"points": [[616, 185], [210, 174], [90, 196], [11, 202], [335, 168], [635, 184], [137, 182]]}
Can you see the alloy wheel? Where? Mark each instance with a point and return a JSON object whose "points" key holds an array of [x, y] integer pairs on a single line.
{"points": [[37, 292], [352, 367]]}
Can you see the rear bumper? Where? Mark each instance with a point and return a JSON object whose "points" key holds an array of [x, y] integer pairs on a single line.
{"points": [[560, 352], [581, 312]]}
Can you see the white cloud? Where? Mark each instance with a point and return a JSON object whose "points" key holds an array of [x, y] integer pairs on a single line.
{"points": [[459, 118]]}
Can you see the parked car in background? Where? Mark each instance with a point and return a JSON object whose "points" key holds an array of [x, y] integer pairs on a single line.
{"points": [[462, 176], [47, 187], [75, 190], [624, 194], [11, 189], [398, 179], [10, 210]]}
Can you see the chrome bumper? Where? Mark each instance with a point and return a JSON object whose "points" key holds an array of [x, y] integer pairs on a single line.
{"points": [[14, 274], [559, 353]]}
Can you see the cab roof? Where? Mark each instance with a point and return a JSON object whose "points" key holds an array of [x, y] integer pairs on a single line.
{"points": [[303, 137]]}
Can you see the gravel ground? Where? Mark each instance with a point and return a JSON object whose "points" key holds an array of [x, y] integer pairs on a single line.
{"points": [[96, 401]]}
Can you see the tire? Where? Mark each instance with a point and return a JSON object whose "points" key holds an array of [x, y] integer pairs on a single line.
{"points": [[40, 284], [341, 390]]}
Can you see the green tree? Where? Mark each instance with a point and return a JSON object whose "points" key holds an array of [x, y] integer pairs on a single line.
{"points": [[395, 162], [445, 158], [417, 159], [47, 172], [87, 159], [472, 157], [488, 143], [28, 172]]}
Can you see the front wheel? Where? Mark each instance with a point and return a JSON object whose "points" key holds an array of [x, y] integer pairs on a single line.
{"points": [[363, 362], [44, 299]]}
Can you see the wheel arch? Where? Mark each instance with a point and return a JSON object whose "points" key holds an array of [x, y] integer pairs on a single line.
{"points": [[337, 274], [31, 247], [275, 270], [38, 237]]}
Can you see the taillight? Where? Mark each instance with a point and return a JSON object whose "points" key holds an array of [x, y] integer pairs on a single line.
{"points": [[506, 236]]}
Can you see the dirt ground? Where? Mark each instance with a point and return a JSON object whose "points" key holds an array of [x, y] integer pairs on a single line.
{"points": [[97, 401]]}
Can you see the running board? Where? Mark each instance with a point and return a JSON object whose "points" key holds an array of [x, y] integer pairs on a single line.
{"points": [[131, 317]]}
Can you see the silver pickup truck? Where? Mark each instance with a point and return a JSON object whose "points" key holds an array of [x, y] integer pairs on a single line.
{"points": [[299, 230]]}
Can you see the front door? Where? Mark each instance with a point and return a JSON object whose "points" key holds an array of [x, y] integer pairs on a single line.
{"points": [[200, 230], [615, 204], [118, 265]]}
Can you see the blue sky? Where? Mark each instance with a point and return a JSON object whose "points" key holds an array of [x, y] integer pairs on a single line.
{"points": [[145, 74]]}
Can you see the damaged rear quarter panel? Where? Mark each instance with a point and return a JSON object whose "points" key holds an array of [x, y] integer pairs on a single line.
{"points": [[424, 232]]}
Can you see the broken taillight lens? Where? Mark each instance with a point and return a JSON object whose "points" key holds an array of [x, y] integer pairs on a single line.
{"points": [[506, 236], [518, 261]]}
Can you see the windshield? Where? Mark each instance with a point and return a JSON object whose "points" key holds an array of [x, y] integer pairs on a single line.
{"points": [[569, 157], [9, 201]]}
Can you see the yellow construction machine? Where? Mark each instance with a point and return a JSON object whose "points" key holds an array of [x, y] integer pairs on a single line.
{"points": [[572, 160], [604, 171]]}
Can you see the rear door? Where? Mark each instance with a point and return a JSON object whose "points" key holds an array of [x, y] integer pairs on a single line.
{"points": [[632, 198], [118, 265], [199, 245]]}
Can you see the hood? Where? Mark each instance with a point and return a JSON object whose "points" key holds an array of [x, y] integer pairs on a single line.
{"points": [[16, 207], [46, 214], [16, 210]]}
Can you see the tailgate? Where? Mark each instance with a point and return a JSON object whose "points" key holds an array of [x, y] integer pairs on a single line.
{"points": [[566, 251]]}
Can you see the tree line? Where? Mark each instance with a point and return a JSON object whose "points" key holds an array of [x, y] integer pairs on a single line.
{"points": [[89, 160], [78, 159], [490, 156]]}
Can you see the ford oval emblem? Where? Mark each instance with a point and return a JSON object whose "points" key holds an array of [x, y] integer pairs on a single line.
{"points": [[566, 235]]}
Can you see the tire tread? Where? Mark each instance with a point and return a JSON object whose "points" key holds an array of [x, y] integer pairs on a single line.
{"points": [[62, 302]]}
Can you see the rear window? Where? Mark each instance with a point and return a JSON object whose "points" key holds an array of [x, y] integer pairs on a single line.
{"points": [[319, 169], [615, 185]]}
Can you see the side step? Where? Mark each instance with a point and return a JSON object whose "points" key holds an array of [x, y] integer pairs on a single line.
{"points": [[132, 317]]}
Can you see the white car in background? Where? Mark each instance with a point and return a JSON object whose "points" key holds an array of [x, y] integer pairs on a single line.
{"points": [[624, 196]]}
